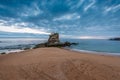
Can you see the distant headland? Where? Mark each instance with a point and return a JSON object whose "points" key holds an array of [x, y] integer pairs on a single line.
{"points": [[115, 39]]}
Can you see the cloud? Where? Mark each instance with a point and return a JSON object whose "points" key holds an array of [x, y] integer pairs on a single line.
{"points": [[67, 36], [79, 3], [76, 5], [73, 16], [83, 37], [96, 28], [90, 5], [31, 11], [14, 29], [2, 22], [112, 8], [1, 6], [14, 26], [92, 37]]}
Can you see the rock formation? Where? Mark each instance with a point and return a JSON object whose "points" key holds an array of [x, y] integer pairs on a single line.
{"points": [[53, 38], [54, 41], [115, 39]]}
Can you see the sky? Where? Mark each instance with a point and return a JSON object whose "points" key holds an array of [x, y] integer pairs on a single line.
{"points": [[70, 18]]}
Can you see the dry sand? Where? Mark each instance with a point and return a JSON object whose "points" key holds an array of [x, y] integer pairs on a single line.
{"points": [[58, 64]]}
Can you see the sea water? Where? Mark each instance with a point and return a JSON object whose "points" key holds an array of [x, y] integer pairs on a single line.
{"points": [[18, 44], [95, 45]]}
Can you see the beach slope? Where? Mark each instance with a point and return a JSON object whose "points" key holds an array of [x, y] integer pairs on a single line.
{"points": [[58, 64]]}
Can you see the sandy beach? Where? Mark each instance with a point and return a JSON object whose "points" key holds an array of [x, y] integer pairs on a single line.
{"points": [[58, 64]]}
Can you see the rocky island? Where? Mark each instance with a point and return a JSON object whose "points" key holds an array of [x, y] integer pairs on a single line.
{"points": [[115, 39], [54, 41]]}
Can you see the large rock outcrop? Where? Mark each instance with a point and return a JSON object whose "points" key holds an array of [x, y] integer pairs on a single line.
{"points": [[53, 38], [54, 41]]}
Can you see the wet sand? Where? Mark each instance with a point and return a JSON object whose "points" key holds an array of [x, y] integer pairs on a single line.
{"points": [[58, 64]]}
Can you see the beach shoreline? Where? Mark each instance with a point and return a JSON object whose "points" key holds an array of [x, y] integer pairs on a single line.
{"points": [[58, 64], [93, 52], [74, 50]]}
